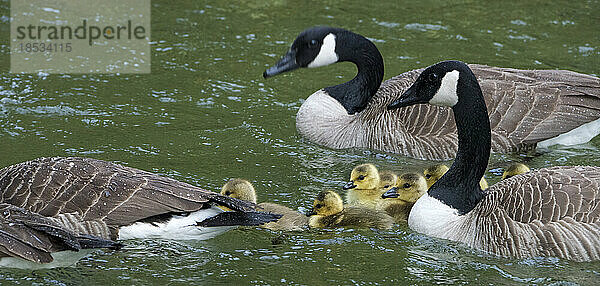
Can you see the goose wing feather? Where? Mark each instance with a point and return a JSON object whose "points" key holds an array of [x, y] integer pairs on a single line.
{"points": [[99, 190], [33, 237]]}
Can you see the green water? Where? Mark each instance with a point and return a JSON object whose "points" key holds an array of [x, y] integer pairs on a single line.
{"points": [[205, 114]]}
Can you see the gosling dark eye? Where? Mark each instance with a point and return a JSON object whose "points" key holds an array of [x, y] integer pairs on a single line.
{"points": [[312, 43], [386, 186], [227, 193], [428, 176], [318, 206], [406, 185], [361, 177], [432, 77]]}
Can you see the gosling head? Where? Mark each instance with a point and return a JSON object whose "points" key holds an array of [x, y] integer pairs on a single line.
{"points": [[515, 169], [327, 203], [434, 173], [387, 179], [239, 189], [410, 187], [363, 177]]}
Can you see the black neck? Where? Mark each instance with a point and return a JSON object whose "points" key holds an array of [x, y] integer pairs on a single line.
{"points": [[459, 187], [355, 94]]}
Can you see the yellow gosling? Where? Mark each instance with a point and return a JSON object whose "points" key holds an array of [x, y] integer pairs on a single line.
{"points": [[515, 169], [363, 188], [243, 190], [398, 201], [435, 172], [329, 212]]}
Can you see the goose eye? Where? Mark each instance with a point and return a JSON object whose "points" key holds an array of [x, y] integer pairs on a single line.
{"points": [[227, 193], [406, 185], [432, 77], [386, 186], [361, 177], [318, 206], [312, 43], [428, 176]]}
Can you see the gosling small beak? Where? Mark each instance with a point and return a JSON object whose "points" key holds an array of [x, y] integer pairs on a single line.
{"points": [[408, 98], [285, 64], [311, 213], [391, 193], [349, 185]]}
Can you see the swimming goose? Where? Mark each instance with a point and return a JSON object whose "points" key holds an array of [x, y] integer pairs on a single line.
{"points": [[363, 189], [547, 212], [291, 220], [435, 172], [515, 169], [526, 107], [110, 201], [329, 212], [398, 201]]}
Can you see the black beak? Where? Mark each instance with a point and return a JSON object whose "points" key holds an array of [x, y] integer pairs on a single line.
{"points": [[287, 63], [349, 185], [311, 213], [410, 97], [391, 193]]}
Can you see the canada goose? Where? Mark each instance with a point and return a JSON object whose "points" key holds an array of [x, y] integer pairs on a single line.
{"points": [[291, 220], [109, 201], [329, 212], [547, 212], [435, 172], [515, 169], [363, 189], [525, 106], [398, 201]]}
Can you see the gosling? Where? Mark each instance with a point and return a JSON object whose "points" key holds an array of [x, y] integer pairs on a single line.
{"points": [[515, 169], [364, 189], [398, 200], [243, 190], [329, 212], [435, 172]]}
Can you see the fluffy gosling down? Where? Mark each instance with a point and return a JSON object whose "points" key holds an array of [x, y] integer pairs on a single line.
{"points": [[515, 169], [329, 212], [435, 172], [364, 188], [398, 201], [243, 190]]}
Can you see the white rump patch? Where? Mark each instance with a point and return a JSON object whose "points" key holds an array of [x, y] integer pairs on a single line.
{"points": [[327, 53], [579, 135], [446, 94], [177, 228], [61, 259]]}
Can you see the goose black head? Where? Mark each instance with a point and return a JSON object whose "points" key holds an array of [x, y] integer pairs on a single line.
{"points": [[437, 85], [314, 47]]}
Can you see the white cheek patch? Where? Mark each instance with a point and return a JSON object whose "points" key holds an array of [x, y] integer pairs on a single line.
{"points": [[446, 94], [327, 53]]}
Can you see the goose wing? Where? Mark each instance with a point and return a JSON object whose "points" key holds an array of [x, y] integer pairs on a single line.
{"points": [[525, 107], [34, 237], [548, 195], [99, 190]]}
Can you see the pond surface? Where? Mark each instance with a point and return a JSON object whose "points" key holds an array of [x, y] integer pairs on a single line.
{"points": [[205, 114]]}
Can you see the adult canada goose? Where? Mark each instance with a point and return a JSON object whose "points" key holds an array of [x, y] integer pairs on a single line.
{"points": [[364, 189], [291, 220], [398, 201], [329, 212], [93, 197], [547, 212], [515, 169], [435, 172], [526, 107]]}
